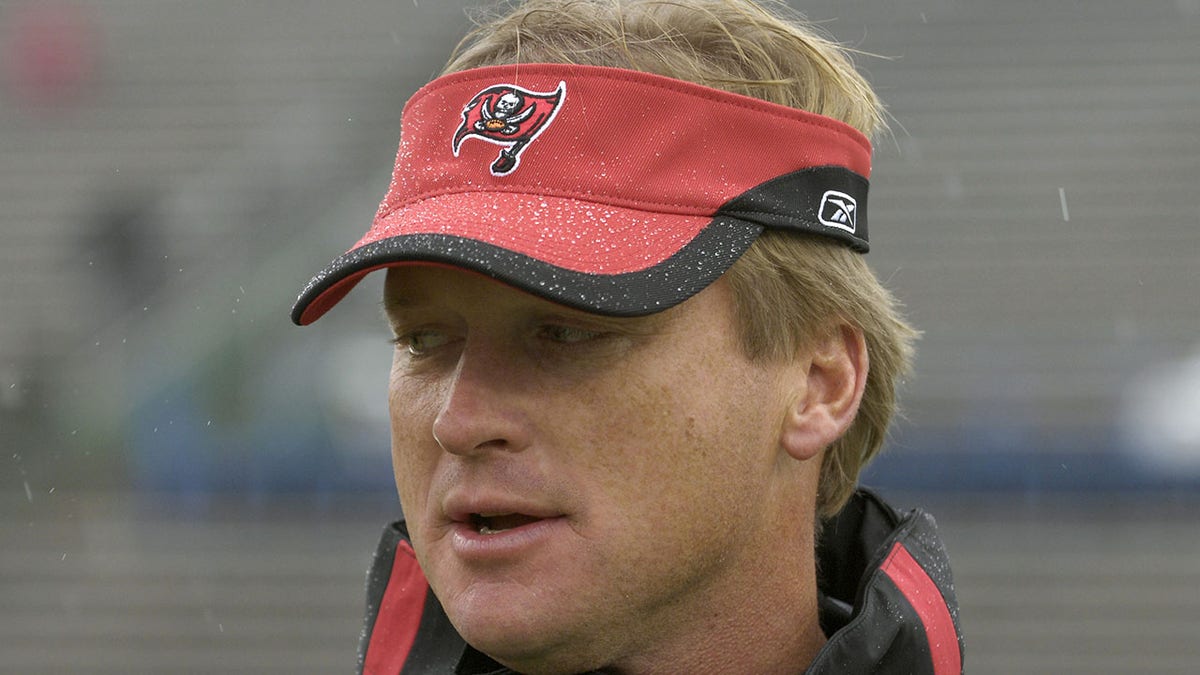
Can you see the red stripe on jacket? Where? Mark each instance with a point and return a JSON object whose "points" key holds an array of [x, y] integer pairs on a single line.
{"points": [[399, 615], [927, 600]]}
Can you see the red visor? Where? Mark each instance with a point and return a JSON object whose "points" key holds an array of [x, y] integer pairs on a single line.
{"points": [[612, 191]]}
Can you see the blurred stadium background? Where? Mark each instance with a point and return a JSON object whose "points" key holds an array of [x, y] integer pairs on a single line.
{"points": [[191, 485]]}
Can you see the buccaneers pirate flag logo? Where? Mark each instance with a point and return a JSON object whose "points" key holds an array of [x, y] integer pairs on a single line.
{"points": [[509, 116]]}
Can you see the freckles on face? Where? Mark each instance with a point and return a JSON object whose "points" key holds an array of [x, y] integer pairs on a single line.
{"points": [[687, 445], [414, 450], [643, 447]]}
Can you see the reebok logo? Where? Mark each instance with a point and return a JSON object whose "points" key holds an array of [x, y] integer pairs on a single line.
{"points": [[839, 210]]}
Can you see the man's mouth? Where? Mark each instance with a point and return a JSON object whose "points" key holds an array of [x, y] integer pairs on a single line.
{"points": [[500, 522]]}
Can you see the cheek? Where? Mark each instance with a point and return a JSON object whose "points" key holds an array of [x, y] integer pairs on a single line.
{"points": [[680, 476], [699, 440], [412, 408]]}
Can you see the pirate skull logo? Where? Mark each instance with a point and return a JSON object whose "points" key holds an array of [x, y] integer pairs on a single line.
{"points": [[506, 116], [509, 116]]}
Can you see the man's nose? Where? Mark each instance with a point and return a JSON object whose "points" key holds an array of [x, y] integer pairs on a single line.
{"points": [[482, 409]]}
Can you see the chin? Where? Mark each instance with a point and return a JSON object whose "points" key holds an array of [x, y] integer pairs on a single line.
{"points": [[528, 639], [557, 662], [493, 622]]}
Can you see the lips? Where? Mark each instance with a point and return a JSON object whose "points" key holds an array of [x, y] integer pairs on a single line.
{"points": [[487, 511], [491, 525]]}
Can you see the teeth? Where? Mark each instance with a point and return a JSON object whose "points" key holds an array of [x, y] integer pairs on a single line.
{"points": [[483, 523], [493, 523]]}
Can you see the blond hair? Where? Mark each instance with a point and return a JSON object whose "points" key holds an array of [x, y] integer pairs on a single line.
{"points": [[788, 288]]}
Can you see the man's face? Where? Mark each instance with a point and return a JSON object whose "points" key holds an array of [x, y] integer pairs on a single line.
{"points": [[582, 490]]}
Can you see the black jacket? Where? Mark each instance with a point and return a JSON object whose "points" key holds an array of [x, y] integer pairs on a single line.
{"points": [[886, 601]]}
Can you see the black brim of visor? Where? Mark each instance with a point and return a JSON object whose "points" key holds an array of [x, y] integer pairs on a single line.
{"points": [[654, 289], [785, 203]]}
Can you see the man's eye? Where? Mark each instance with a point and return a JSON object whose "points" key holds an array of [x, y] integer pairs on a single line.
{"points": [[567, 334], [421, 342]]}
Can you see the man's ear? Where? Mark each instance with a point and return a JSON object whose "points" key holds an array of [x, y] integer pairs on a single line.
{"points": [[831, 378]]}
